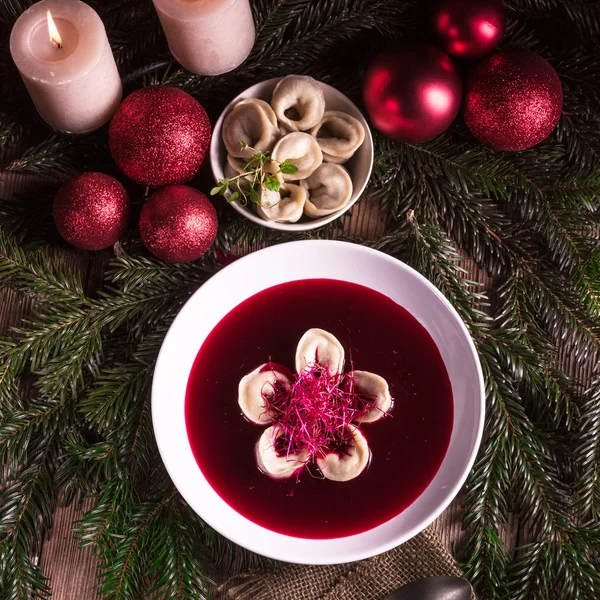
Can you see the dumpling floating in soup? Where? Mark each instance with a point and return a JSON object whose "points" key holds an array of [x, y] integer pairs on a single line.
{"points": [[273, 456], [257, 387], [372, 386], [318, 346], [347, 462]]}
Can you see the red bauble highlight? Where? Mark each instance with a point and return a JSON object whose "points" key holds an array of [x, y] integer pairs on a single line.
{"points": [[467, 28], [412, 93], [159, 136], [513, 100], [91, 211], [178, 224]]}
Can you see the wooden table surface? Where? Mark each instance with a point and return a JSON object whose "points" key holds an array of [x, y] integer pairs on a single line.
{"points": [[72, 571]]}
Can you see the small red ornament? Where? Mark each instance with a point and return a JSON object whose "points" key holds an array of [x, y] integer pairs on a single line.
{"points": [[159, 136], [513, 100], [178, 224], [412, 93], [91, 211], [468, 28]]}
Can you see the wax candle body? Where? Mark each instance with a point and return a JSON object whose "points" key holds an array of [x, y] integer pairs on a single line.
{"points": [[208, 37], [76, 87]]}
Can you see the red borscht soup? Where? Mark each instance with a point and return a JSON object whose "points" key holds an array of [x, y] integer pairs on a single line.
{"points": [[407, 446]]}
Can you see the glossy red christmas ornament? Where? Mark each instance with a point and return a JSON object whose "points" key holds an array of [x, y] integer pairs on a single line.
{"points": [[178, 224], [159, 136], [91, 211], [412, 93], [468, 28], [513, 100]]}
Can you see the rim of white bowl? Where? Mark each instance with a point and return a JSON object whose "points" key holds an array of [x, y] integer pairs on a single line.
{"points": [[305, 548], [216, 146]]}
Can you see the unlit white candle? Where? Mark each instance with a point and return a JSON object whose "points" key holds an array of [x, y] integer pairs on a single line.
{"points": [[208, 37], [75, 87]]}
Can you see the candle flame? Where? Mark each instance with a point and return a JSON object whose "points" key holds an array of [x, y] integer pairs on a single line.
{"points": [[53, 31]]}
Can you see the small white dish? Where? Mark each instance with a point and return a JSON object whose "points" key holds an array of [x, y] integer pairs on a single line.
{"points": [[359, 166], [313, 260]]}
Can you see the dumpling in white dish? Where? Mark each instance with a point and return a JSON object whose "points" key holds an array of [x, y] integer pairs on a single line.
{"points": [[233, 168], [248, 123], [339, 135], [269, 112], [236, 165], [370, 384], [256, 387], [272, 457], [298, 102], [350, 464], [285, 206], [302, 150], [329, 190], [321, 347], [271, 168], [283, 130]]}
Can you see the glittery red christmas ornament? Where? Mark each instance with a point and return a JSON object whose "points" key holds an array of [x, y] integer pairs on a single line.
{"points": [[91, 211], [178, 224], [159, 136], [513, 100], [468, 28], [412, 93]]}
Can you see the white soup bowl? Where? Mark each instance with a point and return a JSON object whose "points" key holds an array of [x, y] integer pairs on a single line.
{"points": [[313, 260]]}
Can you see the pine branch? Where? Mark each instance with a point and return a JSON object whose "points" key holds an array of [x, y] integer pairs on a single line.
{"points": [[434, 255], [521, 342], [26, 508], [10, 131], [588, 454], [486, 558], [20, 577], [18, 428], [533, 571], [579, 133], [125, 576], [96, 527], [128, 273], [55, 157], [29, 218], [178, 556], [560, 314], [118, 387], [38, 274]]}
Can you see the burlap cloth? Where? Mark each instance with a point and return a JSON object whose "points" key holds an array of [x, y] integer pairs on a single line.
{"points": [[371, 579]]}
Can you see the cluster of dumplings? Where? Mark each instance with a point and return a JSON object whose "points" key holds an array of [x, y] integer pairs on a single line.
{"points": [[296, 126], [315, 346]]}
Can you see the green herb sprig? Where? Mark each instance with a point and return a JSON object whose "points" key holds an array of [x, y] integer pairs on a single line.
{"points": [[257, 177]]}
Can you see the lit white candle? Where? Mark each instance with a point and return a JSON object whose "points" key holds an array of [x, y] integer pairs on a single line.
{"points": [[208, 37], [62, 52]]}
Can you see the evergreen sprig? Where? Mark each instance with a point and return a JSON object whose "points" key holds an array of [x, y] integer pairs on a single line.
{"points": [[75, 373]]}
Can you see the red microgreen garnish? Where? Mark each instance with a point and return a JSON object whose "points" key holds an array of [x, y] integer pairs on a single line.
{"points": [[313, 413]]}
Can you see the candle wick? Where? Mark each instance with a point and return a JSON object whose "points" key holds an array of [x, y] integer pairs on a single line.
{"points": [[59, 46]]}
